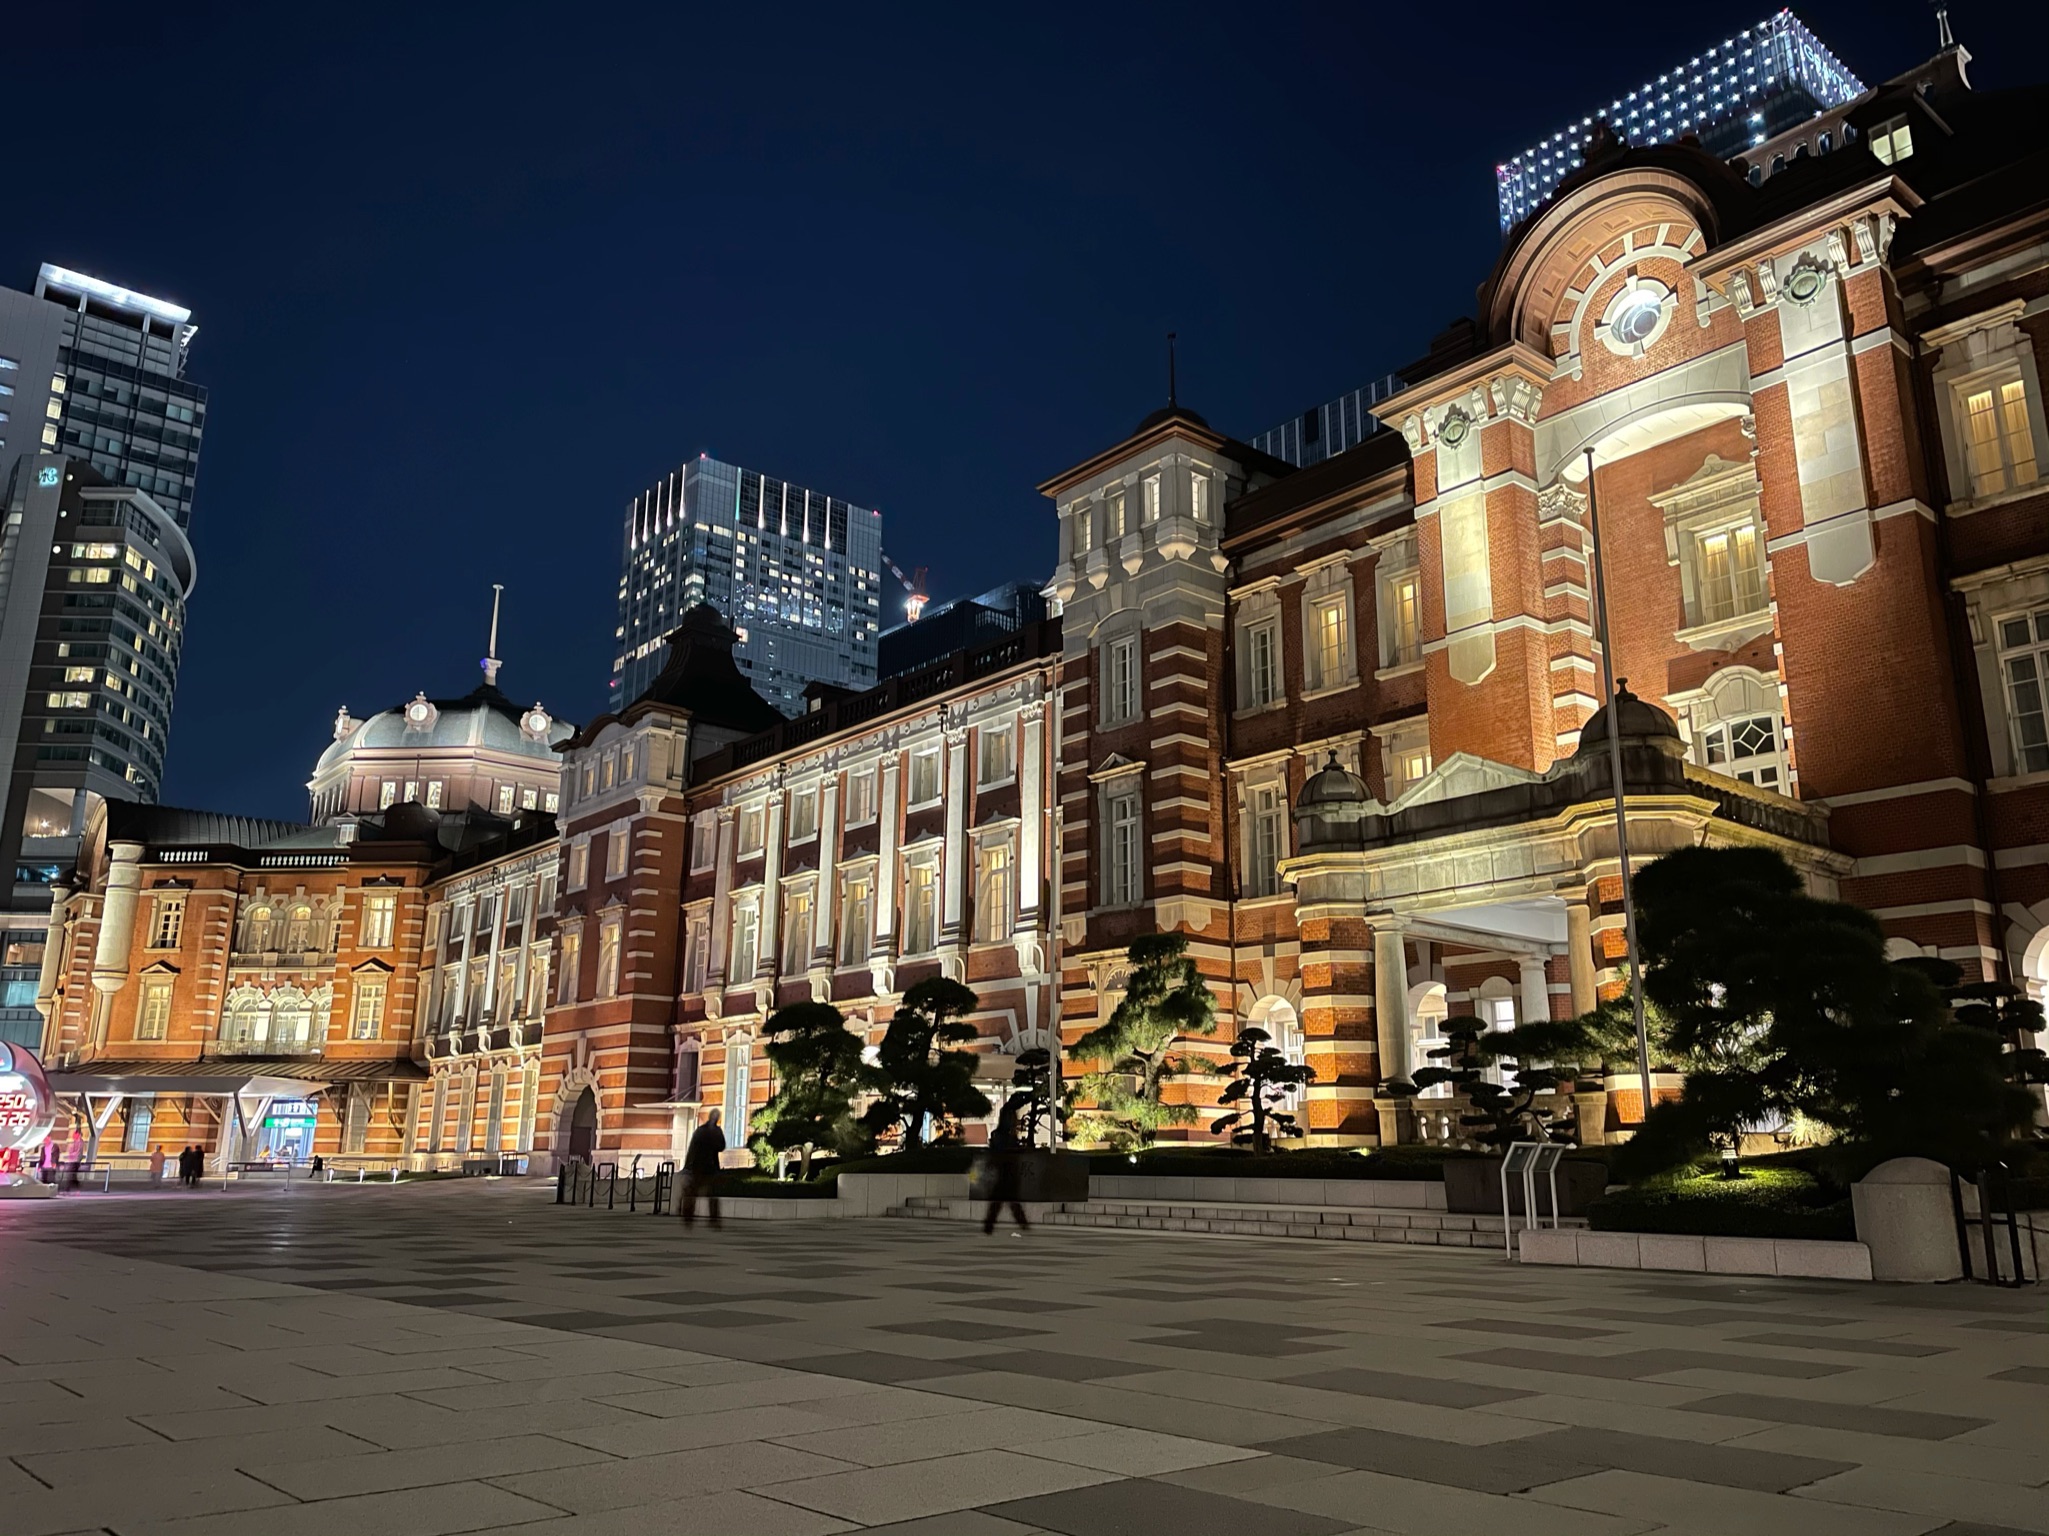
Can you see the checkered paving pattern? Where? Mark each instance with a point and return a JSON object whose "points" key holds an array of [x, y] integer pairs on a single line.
{"points": [[454, 1357]]}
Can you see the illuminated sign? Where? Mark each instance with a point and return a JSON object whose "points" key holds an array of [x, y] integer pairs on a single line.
{"points": [[49, 474], [293, 1109], [111, 293], [27, 1107]]}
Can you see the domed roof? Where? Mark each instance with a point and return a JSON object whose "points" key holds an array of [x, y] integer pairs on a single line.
{"points": [[482, 718], [1170, 412], [1332, 785], [1641, 722]]}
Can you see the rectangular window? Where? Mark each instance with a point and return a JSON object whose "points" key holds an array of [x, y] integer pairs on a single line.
{"points": [[924, 778], [738, 1088], [995, 765], [1262, 663], [1113, 516], [994, 904], [356, 1124], [537, 982], [746, 943], [1731, 574], [572, 962], [618, 847], [1403, 621], [1329, 642], [433, 794], [856, 909], [861, 797], [140, 1111], [579, 865], [704, 841], [1122, 853], [697, 953], [1120, 680], [1265, 839], [529, 799], [2024, 664], [921, 910], [1407, 759], [753, 834], [803, 815], [1152, 498], [153, 1022], [1892, 141], [505, 799], [412, 791], [367, 1023], [608, 957], [796, 932], [2000, 441], [167, 922], [1198, 496], [380, 913], [1083, 529], [550, 801]]}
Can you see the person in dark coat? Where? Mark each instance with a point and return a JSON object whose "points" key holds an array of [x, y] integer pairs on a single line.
{"points": [[701, 1170], [1005, 1147]]}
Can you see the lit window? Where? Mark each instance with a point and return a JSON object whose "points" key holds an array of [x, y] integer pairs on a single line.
{"points": [[1730, 573], [704, 841], [1083, 529], [1121, 864], [505, 799], [1330, 651], [1198, 496], [550, 801], [993, 900], [796, 932], [529, 799], [746, 942], [1152, 498], [412, 791], [803, 815], [1405, 756], [153, 1021], [921, 910], [1401, 619], [1265, 838], [608, 956], [433, 794], [68, 700], [618, 844], [367, 1022], [697, 953], [1113, 516], [738, 1086], [1746, 749], [572, 960], [1262, 652], [380, 912], [996, 765], [1892, 141], [579, 865], [1120, 671], [856, 906], [753, 838], [2000, 440], [80, 674]]}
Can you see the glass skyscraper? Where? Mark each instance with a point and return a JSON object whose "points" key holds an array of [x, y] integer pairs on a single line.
{"points": [[798, 575], [1740, 92]]}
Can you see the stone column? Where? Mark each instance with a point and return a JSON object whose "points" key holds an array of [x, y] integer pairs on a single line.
{"points": [[1029, 930], [1391, 1000], [721, 913], [521, 1004], [468, 914], [1579, 954], [491, 1004], [954, 860], [117, 918], [827, 897], [768, 948], [1536, 988], [882, 953]]}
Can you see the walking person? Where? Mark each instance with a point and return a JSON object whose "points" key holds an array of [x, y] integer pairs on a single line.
{"points": [[701, 1170], [1005, 1150], [156, 1165], [74, 1160], [188, 1167]]}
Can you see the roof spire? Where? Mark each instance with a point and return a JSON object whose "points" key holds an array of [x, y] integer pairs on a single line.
{"points": [[490, 661], [1946, 38], [1171, 400]]}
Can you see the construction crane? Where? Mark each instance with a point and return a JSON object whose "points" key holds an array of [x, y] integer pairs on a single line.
{"points": [[915, 596]]}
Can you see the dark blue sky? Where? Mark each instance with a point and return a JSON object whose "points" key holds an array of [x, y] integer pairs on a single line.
{"points": [[467, 277]]}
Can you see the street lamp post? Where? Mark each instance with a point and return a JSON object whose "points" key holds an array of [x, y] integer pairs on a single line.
{"points": [[1613, 688]]}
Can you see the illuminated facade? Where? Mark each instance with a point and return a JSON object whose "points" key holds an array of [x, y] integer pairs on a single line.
{"points": [[797, 573], [1733, 97]]}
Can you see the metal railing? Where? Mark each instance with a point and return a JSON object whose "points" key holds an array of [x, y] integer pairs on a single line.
{"points": [[1994, 1188]]}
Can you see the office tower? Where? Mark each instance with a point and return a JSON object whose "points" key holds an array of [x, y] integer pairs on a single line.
{"points": [[93, 583], [796, 573], [1732, 97], [961, 625], [1328, 429]]}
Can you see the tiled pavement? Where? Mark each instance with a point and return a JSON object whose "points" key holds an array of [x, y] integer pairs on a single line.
{"points": [[420, 1359]]}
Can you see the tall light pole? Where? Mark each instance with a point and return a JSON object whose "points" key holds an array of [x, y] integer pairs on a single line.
{"points": [[1613, 688]]}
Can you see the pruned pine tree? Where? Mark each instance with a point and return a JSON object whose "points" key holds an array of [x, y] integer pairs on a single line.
{"points": [[1165, 1001], [921, 1073], [1256, 1097]]}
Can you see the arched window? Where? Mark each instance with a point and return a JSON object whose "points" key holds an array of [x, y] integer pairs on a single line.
{"points": [[1494, 1006], [1824, 145], [1757, 175], [256, 926], [291, 1020], [1800, 153], [1276, 1015], [1427, 1013], [247, 1025], [1778, 164], [299, 930], [1737, 730]]}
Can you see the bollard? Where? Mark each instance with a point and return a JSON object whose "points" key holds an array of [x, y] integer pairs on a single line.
{"points": [[562, 1184]]}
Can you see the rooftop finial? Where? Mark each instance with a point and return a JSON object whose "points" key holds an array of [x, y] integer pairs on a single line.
{"points": [[1946, 38], [490, 661], [1171, 400]]}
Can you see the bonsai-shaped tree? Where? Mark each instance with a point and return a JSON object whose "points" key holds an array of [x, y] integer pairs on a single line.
{"points": [[1528, 1064], [1033, 1090], [1165, 999], [920, 1073], [1784, 1005], [817, 1063], [1262, 1082]]}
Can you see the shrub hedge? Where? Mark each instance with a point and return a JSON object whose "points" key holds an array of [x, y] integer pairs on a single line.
{"points": [[1765, 1202]]}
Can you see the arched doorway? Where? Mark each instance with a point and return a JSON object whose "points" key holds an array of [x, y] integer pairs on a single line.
{"points": [[581, 1138]]}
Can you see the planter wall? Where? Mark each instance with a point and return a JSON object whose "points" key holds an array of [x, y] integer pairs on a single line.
{"points": [[1790, 1257], [1374, 1194], [1472, 1186]]}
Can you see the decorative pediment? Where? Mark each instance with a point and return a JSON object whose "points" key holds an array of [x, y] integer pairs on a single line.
{"points": [[374, 968], [161, 968], [1115, 766], [1463, 774]]}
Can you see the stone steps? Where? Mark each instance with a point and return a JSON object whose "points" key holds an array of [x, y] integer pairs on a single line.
{"points": [[1423, 1228]]}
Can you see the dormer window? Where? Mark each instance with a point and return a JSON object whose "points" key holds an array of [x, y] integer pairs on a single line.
{"points": [[1892, 141]]}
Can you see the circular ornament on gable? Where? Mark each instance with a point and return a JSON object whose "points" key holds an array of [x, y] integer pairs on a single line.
{"points": [[1804, 283], [1456, 427], [1636, 317]]}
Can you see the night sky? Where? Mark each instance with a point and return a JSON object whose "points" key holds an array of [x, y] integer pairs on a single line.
{"points": [[467, 278]]}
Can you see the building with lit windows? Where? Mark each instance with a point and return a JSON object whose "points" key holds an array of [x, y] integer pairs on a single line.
{"points": [[1733, 97], [797, 573]]}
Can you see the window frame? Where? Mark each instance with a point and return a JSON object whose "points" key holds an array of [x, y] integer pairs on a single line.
{"points": [[167, 921], [988, 751], [995, 913], [1122, 669], [153, 1008], [924, 760], [367, 1008], [1123, 844], [856, 939], [379, 920], [1266, 821]]}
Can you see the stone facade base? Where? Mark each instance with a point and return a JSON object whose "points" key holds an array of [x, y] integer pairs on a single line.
{"points": [[1783, 1256]]}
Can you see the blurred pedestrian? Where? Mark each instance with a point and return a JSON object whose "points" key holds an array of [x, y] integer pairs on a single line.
{"points": [[1004, 1152], [156, 1165], [701, 1170]]}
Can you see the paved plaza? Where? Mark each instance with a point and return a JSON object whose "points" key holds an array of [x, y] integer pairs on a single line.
{"points": [[412, 1360]]}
